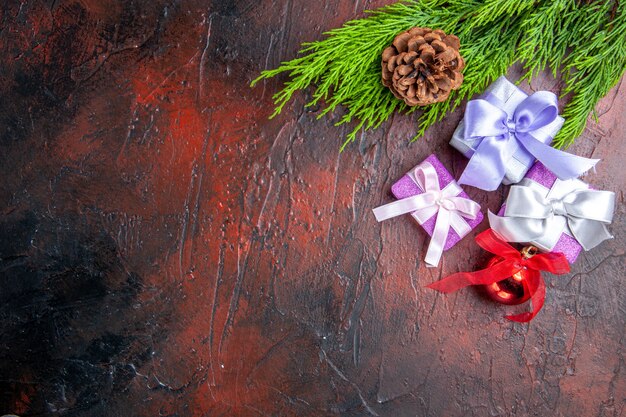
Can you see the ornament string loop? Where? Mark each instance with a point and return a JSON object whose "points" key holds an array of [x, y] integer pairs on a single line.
{"points": [[501, 136], [446, 204], [511, 262]]}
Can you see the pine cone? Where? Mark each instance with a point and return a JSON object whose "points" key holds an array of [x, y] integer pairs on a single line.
{"points": [[422, 66]]}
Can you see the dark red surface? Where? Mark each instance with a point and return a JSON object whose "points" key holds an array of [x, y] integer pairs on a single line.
{"points": [[166, 250]]}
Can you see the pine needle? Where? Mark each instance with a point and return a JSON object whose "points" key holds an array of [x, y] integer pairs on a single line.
{"points": [[583, 40]]}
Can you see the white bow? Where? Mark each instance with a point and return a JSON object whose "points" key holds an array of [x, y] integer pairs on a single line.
{"points": [[445, 204], [533, 216]]}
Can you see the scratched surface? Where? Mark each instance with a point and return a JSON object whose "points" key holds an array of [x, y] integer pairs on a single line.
{"points": [[166, 250]]}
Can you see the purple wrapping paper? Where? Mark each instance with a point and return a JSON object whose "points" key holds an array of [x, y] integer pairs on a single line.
{"points": [[405, 187], [566, 244]]}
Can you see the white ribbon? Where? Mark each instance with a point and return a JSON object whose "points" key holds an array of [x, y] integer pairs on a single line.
{"points": [[445, 204], [538, 216]]}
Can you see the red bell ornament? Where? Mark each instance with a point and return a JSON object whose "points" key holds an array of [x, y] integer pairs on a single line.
{"points": [[515, 289]]}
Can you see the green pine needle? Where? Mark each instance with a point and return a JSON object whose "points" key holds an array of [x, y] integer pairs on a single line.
{"points": [[583, 40]]}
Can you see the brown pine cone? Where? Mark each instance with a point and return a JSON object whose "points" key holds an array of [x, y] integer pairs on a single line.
{"points": [[422, 66]]}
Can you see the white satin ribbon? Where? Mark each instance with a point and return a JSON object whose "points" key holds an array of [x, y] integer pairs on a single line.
{"points": [[445, 204], [534, 216]]}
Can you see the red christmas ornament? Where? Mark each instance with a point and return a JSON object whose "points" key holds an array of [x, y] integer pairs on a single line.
{"points": [[513, 290], [511, 277]]}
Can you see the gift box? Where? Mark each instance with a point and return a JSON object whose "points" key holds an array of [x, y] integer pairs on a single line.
{"points": [[442, 201], [555, 215], [507, 97]]}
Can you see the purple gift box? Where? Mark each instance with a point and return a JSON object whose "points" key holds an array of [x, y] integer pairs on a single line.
{"points": [[406, 187], [566, 244]]}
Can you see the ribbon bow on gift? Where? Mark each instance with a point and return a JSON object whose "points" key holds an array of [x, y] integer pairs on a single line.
{"points": [[531, 217], [511, 262], [503, 135], [445, 204]]}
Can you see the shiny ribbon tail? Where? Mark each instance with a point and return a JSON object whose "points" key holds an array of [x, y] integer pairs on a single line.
{"points": [[438, 240], [552, 262], [564, 165], [404, 206], [588, 233], [487, 276]]}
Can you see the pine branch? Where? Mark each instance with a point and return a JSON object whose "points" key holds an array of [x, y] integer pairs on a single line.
{"points": [[586, 41], [592, 70]]}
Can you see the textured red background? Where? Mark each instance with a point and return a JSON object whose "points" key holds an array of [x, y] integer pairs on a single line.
{"points": [[168, 250]]}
